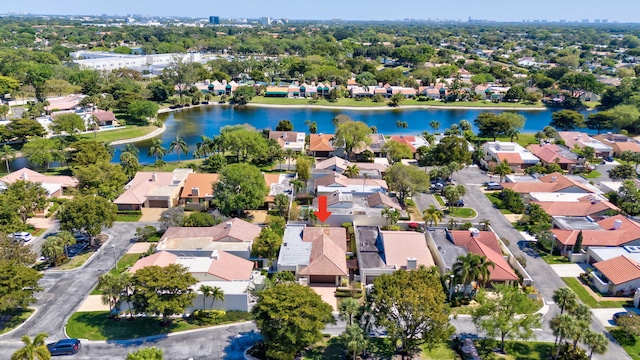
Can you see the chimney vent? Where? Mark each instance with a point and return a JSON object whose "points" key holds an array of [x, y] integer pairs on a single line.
{"points": [[554, 179], [412, 263], [617, 224], [154, 177], [195, 191], [474, 232], [229, 223], [24, 176], [215, 255]]}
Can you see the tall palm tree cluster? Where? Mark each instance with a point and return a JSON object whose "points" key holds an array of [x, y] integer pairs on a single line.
{"points": [[472, 268], [572, 327]]}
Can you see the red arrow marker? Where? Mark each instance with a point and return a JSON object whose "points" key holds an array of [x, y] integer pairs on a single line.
{"points": [[322, 214]]}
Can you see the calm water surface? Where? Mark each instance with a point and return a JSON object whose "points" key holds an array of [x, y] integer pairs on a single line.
{"points": [[191, 123]]}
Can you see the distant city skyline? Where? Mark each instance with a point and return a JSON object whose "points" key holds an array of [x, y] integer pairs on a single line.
{"points": [[495, 10]]}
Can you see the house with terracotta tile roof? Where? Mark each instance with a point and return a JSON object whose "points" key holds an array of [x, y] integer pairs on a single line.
{"points": [[414, 142], [618, 142], [234, 275], [518, 157], [293, 140], [581, 140], [374, 170], [381, 201], [554, 182], [315, 254], [556, 154], [153, 190], [234, 236], [383, 252], [612, 231], [104, 118], [485, 243], [618, 276], [68, 102], [55, 184], [321, 145], [197, 192], [567, 204]]}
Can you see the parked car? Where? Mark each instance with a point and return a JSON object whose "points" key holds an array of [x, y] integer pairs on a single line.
{"points": [[459, 203], [608, 158], [65, 347], [622, 314], [22, 236], [494, 186]]}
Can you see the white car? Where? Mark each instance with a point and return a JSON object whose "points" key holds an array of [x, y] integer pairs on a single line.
{"points": [[23, 236]]}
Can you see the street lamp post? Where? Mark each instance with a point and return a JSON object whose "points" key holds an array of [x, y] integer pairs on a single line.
{"points": [[451, 286], [115, 258]]}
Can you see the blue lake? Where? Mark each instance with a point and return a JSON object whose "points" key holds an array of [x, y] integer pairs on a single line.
{"points": [[191, 123]]}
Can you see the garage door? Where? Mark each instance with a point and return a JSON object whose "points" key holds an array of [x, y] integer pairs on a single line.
{"points": [[323, 279], [157, 203]]}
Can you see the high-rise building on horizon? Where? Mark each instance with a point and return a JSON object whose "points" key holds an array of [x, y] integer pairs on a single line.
{"points": [[215, 20]]}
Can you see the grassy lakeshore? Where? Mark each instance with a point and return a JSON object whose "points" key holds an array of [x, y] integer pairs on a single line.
{"points": [[128, 132]]}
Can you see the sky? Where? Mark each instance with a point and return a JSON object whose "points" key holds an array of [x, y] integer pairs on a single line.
{"points": [[500, 10]]}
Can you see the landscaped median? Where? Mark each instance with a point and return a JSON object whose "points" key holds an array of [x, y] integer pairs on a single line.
{"points": [[97, 325], [11, 319]]}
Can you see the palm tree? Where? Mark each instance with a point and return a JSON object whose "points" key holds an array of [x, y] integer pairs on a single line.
{"points": [[290, 154], [7, 153], [392, 215], [485, 224], [127, 292], [355, 340], [156, 149], [596, 342], [206, 291], [348, 309], [94, 124], [512, 133], [33, 350], [464, 125], [297, 185], [435, 125], [503, 169], [483, 273], [53, 250], [66, 239], [132, 149], [216, 294], [352, 171], [112, 288], [179, 146], [402, 124], [432, 215], [566, 299], [472, 267], [561, 326], [452, 194]]}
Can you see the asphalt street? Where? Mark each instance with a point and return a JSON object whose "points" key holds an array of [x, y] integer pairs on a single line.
{"points": [[546, 281]]}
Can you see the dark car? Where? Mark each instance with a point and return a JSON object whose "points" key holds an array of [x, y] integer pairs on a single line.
{"points": [[65, 347], [608, 158], [458, 203], [622, 314]]}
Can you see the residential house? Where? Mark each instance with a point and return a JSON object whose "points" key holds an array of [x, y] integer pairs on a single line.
{"points": [[374, 170], [233, 275], [619, 276], [332, 182], [518, 157], [485, 243], [491, 92], [276, 91], [289, 139], [234, 236], [414, 142], [619, 143], [105, 119], [321, 145], [580, 139], [153, 190], [550, 183], [573, 204], [383, 252], [315, 254], [380, 201], [197, 192], [55, 185], [68, 102], [556, 154], [612, 231], [377, 141]]}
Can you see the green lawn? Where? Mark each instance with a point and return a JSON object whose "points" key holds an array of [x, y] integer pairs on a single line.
{"points": [[76, 261], [516, 350], [632, 347], [575, 285], [170, 166], [555, 259], [129, 132], [463, 212], [96, 325], [439, 199], [18, 316], [591, 175], [128, 217]]}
